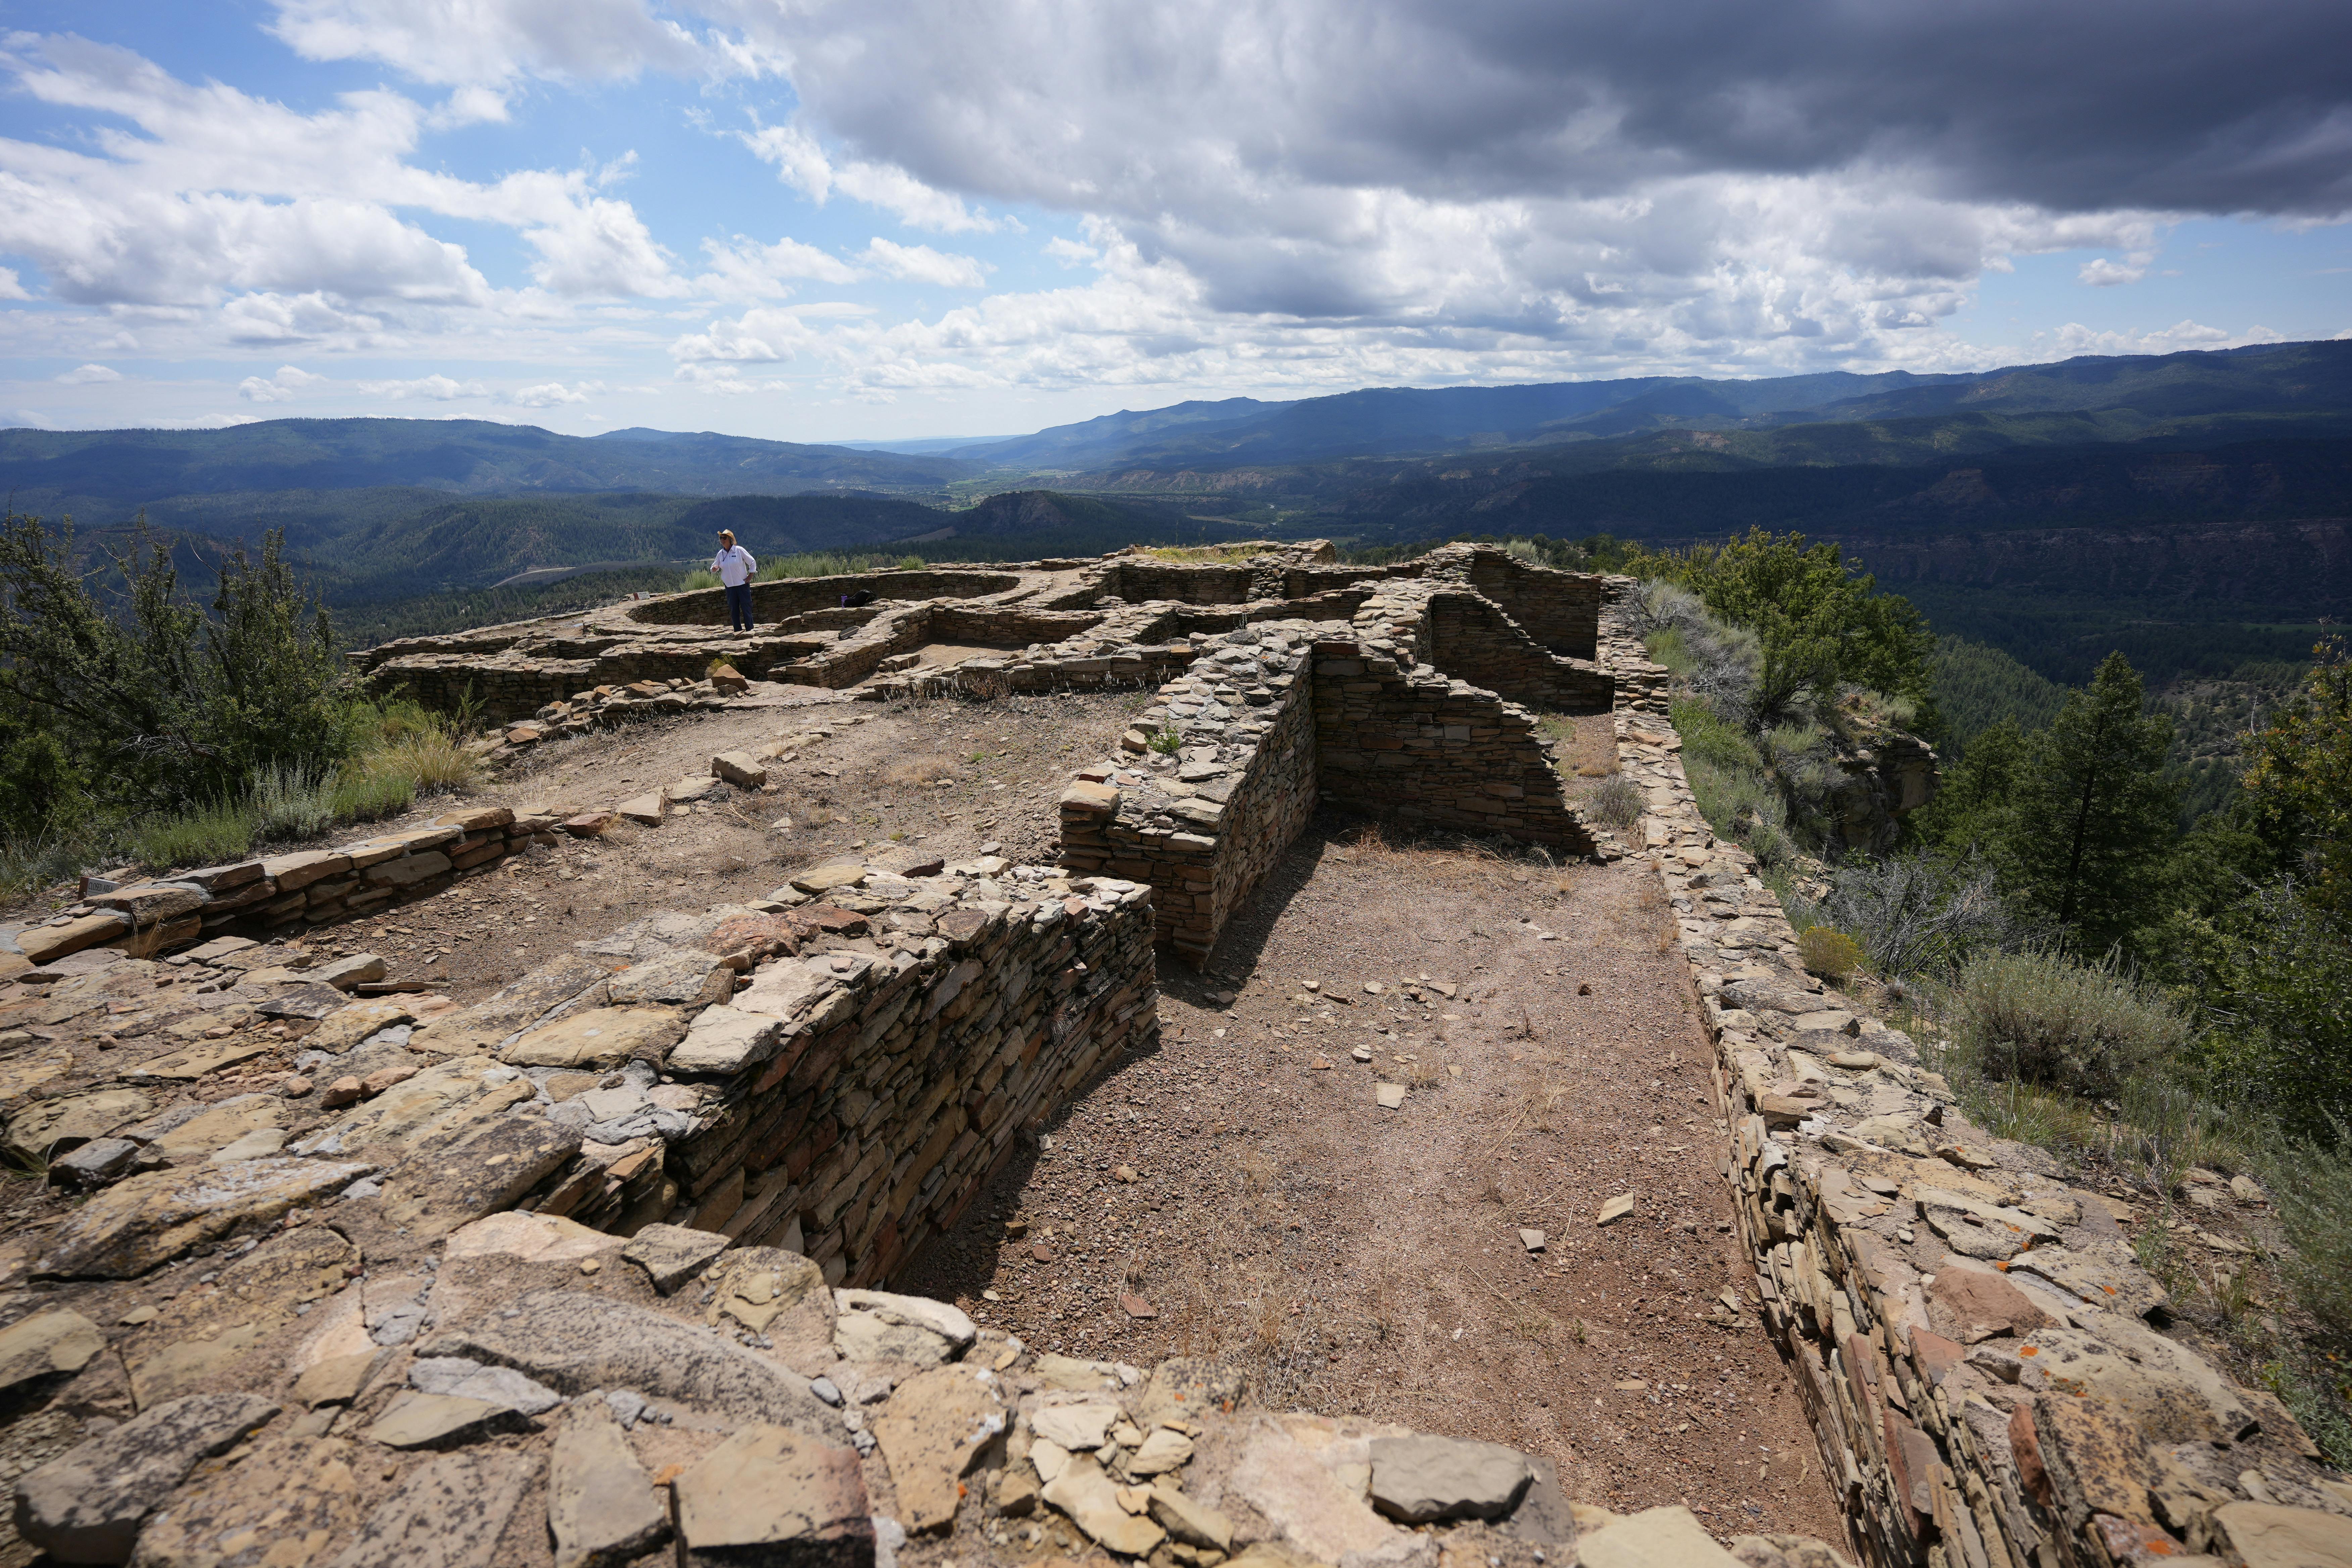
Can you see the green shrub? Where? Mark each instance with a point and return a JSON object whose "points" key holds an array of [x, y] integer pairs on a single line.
{"points": [[1709, 738], [2311, 1183], [1916, 914], [153, 701], [831, 564], [204, 837], [372, 787], [1167, 743], [2278, 982], [286, 802], [2036, 1017], [1617, 801], [703, 579], [1829, 952], [434, 764], [34, 860]]}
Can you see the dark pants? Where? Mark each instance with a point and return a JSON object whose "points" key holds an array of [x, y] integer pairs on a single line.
{"points": [[739, 608]]}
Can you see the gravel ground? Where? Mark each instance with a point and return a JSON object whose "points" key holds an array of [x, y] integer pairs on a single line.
{"points": [[1238, 1192]]}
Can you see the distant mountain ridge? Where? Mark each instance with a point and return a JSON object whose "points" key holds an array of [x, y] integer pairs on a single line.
{"points": [[2135, 393], [121, 469], [1897, 416]]}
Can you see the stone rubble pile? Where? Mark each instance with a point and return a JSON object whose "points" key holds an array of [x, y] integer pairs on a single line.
{"points": [[1980, 1350]]}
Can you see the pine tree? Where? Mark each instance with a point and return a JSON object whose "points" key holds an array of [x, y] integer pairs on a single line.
{"points": [[1974, 813], [2096, 813]]}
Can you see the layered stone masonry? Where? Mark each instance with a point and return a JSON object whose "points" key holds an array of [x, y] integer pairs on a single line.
{"points": [[1435, 754], [306, 886], [1203, 822], [384, 1336], [1980, 1353], [1641, 686], [838, 1066], [1279, 715]]}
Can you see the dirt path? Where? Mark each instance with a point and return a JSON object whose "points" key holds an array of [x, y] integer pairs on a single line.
{"points": [[1367, 1259]]}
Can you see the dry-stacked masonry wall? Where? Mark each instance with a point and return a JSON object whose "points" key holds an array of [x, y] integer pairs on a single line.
{"points": [[1979, 1351], [900, 1078], [1469, 638], [792, 595], [1203, 825], [306, 886], [1561, 610], [1433, 752]]}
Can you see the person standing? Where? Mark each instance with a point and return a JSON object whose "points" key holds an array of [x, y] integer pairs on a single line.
{"points": [[734, 565]]}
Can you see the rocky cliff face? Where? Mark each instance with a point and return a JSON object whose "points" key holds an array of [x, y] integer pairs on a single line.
{"points": [[1884, 775]]}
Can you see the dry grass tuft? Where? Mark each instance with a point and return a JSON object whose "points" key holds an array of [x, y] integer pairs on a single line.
{"points": [[921, 770]]}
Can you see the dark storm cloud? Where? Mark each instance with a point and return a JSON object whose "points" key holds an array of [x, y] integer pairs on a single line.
{"points": [[1145, 109]]}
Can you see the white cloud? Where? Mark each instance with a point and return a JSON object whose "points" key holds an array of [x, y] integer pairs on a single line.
{"points": [[278, 388], [2074, 339], [11, 288], [1070, 253], [477, 42], [724, 380], [922, 264], [279, 319], [434, 388], [743, 269], [2101, 273], [217, 193], [554, 393], [90, 376], [757, 337], [803, 164]]}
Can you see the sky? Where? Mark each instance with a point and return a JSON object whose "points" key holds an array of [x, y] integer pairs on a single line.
{"points": [[823, 220]]}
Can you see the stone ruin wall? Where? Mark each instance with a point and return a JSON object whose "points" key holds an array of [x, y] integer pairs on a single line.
{"points": [[1978, 1348], [1561, 610], [834, 1079], [1429, 752], [1205, 838], [1470, 637], [783, 597], [901, 1080], [309, 887]]}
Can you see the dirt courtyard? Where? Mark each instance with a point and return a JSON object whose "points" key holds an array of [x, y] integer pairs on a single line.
{"points": [[1240, 1192]]}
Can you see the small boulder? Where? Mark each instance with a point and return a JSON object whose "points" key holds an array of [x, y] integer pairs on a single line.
{"points": [[874, 1325], [739, 768], [672, 1253], [766, 1495], [95, 1163], [44, 1344], [1421, 1479]]}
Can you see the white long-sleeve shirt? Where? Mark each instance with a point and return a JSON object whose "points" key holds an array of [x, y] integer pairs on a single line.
{"points": [[734, 565]]}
